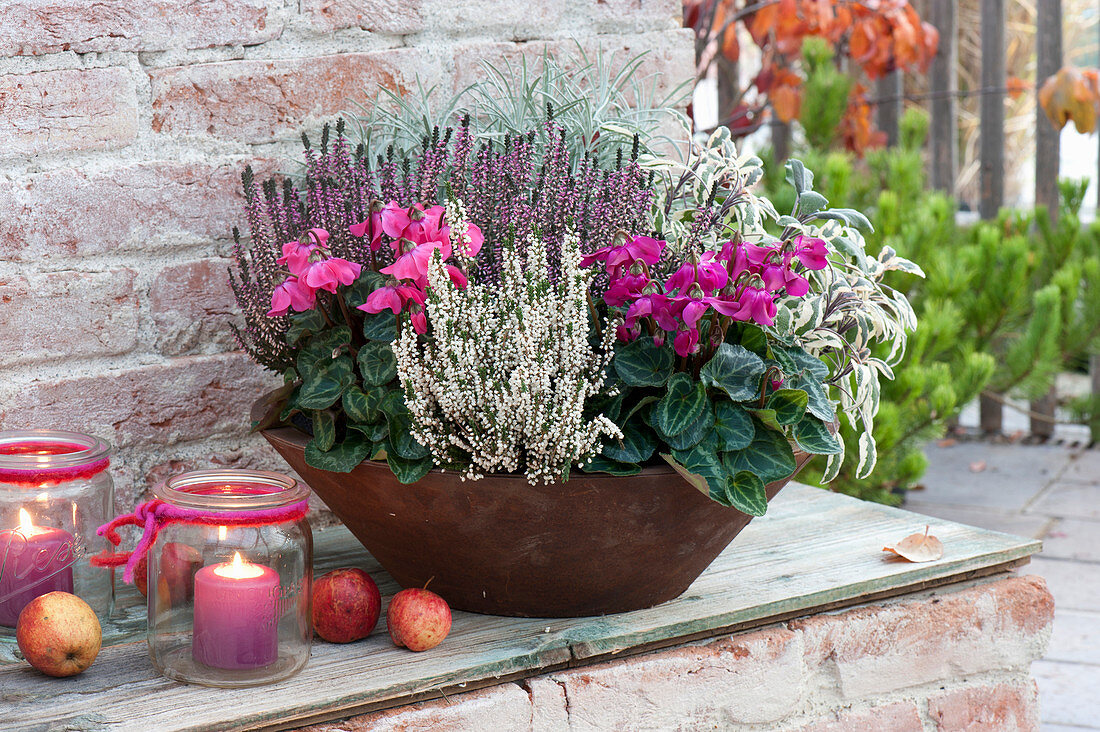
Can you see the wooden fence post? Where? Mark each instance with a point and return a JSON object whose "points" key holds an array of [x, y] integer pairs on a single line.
{"points": [[992, 146], [943, 137], [1048, 53], [889, 90]]}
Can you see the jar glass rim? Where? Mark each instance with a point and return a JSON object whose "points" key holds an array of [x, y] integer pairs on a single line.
{"points": [[91, 449], [181, 489]]}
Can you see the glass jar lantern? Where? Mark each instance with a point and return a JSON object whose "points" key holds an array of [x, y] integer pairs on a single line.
{"points": [[229, 585], [55, 490]]}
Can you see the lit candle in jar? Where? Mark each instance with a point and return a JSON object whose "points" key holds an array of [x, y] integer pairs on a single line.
{"points": [[34, 560], [236, 626]]}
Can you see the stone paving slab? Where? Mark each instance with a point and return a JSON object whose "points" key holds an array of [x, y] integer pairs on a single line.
{"points": [[1077, 500], [985, 518], [1075, 585], [998, 484], [1069, 693], [1076, 636], [1070, 539], [1084, 466]]}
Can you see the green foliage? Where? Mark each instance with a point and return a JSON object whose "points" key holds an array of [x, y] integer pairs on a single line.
{"points": [[825, 96], [1005, 304]]}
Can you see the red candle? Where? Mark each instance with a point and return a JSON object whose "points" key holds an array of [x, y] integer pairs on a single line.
{"points": [[236, 626], [34, 560]]}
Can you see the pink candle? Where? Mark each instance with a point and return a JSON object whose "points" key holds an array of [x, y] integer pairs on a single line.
{"points": [[235, 615], [34, 560]]}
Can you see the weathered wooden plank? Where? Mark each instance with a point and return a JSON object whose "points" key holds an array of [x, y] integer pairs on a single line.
{"points": [[814, 550], [992, 178], [889, 90], [943, 79]]}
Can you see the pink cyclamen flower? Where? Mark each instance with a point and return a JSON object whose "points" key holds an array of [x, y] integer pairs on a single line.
{"points": [[686, 342], [617, 258], [319, 236], [626, 335], [413, 264], [424, 225], [780, 276], [811, 251], [709, 274], [292, 293], [392, 298], [328, 273], [395, 219], [296, 256], [473, 233], [373, 225], [752, 303], [419, 321]]}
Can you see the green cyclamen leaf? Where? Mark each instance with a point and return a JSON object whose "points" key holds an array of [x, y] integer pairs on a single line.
{"points": [[324, 429], [701, 430], [637, 445], [640, 363], [747, 494], [600, 464], [789, 405], [814, 436], [380, 327], [702, 469], [342, 458], [325, 384], [681, 405], [767, 416], [377, 363], [408, 471], [736, 370], [732, 426], [769, 456], [359, 405]]}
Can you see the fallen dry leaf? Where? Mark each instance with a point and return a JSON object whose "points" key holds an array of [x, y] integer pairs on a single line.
{"points": [[978, 466], [918, 547], [947, 442]]}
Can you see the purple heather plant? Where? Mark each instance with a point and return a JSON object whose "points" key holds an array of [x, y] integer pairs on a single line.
{"points": [[511, 189]]}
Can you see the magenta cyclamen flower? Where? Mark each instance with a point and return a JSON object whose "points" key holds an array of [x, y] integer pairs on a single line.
{"points": [[392, 298], [413, 264], [292, 293], [373, 225], [709, 274], [296, 256], [686, 342], [811, 251], [616, 258], [752, 303], [328, 273], [394, 219]]}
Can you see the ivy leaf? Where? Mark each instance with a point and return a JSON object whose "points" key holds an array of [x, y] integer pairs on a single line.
{"points": [[380, 326], [636, 447], [408, 471], [640, 363], [732, 426], [747, 494], [789, 405], [814, 437], [769, 456], [699, 430], [342, 458], [600, 464], [377, 363], [682, 404], [324, 429], [736, 370], [325, 384]]}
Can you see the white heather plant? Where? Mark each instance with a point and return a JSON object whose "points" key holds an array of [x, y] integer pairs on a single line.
{"points": [[501, 382]]}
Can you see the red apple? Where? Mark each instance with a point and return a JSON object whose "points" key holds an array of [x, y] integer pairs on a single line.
{"points": [[176, 578], [346, 605], [418, 619], [58, 634]]}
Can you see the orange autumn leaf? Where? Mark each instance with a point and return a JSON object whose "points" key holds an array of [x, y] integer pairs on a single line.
{"points": [[1071, 94], [918, 547], [1016, 87], [787, 102]]}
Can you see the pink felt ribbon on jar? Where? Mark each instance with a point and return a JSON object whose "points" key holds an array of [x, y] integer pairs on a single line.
{"points": [[156, 514]]}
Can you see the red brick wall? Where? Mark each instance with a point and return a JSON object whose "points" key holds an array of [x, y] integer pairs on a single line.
{"points": [[124, 125]]}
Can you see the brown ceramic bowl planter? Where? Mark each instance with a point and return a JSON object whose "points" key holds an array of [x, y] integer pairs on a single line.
{"points": [[595, 545]]}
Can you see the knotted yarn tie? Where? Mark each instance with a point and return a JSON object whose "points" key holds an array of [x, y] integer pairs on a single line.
{"points": [[156, 514]]}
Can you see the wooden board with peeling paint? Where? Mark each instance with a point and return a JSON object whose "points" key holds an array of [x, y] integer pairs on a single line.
{"points": [[814, 551]]}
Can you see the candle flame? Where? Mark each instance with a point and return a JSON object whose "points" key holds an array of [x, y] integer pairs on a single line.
{"points": [[239, 568], [222, 533], [25, 523]]}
